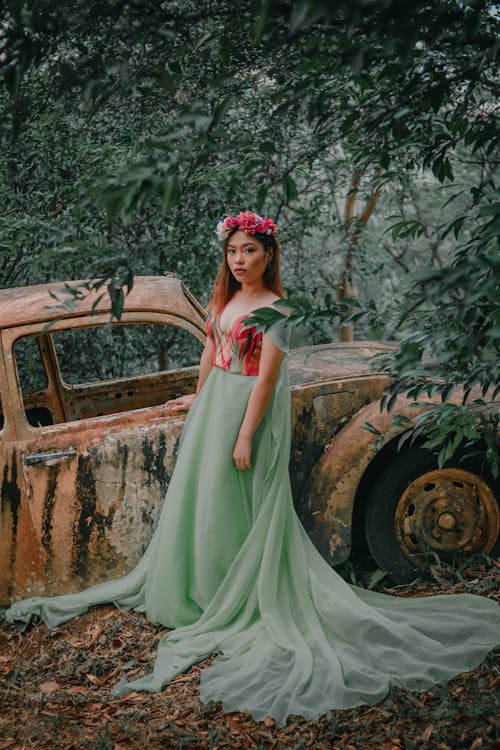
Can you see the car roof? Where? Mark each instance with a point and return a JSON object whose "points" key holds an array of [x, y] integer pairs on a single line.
{"points": [[32, 304]]}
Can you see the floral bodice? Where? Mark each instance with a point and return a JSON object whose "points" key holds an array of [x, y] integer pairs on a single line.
{"points": [[237, 350]]}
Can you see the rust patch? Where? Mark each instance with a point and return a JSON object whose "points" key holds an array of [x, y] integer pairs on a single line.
{"points": [[154, 461], [82, 528], [48, 514], [329, 538], [11, 503], [446, 510], [161, 472], [161, 294], [156, 471], [122, 452]]}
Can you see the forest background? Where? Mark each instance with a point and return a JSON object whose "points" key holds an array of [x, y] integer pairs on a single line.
{"points": [[367, 129]]}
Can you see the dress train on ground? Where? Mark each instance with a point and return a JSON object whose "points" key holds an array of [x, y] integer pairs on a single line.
{"points": [[232, 570]]}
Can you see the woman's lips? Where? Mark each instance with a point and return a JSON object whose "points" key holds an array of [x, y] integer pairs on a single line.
{"points": [[239, 270]]}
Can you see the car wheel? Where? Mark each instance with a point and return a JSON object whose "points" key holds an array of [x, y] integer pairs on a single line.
{"points": [[416, 511]]}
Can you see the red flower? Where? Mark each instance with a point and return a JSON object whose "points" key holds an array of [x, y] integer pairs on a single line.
{"points": [[248, 222]]}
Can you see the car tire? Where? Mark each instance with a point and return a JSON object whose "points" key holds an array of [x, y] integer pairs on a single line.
{"points": [[416, 512]]}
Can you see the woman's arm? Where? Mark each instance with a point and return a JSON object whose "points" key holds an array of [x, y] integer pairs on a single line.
{"points": [[260, 396], [184, 402], [205, 364]]}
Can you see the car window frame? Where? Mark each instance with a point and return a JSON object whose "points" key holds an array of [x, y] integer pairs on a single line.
{"points": [[6, 429], [9, 337], [90, 383]]}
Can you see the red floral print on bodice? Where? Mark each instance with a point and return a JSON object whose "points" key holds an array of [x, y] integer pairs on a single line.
{"points": [[237, 350]]}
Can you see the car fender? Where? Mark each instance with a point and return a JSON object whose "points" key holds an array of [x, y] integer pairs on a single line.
{"points": [[326, 506]]}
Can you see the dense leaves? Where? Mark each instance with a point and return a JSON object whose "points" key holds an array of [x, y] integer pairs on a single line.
{"points": [[369, 133]]}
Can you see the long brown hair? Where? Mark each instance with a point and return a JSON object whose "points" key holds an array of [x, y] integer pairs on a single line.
{"points": [[225, 285]]}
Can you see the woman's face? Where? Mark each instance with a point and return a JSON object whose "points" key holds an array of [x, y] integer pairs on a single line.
{"points": [[246, 257]]}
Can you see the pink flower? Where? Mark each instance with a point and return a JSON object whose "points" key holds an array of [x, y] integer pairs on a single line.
{"points": [[248, 222]]}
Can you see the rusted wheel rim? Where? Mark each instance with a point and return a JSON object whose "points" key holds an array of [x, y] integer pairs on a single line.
{"points": [[444, 511]]}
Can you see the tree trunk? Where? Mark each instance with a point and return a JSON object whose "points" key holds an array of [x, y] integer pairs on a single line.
{"points": [[353, 226]]}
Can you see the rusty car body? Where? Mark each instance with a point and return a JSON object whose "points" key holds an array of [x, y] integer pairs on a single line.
{"points": [[84, 466]]}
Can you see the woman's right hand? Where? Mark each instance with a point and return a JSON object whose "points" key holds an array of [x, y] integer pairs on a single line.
{"points": [[181, 403]]}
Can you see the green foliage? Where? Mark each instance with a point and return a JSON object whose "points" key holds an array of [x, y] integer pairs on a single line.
{"points": [[447, 427], [127, 130], [454, 317], [301, 310]]}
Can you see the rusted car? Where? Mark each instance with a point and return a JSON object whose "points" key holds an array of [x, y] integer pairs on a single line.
{"points": [[87, 444]]}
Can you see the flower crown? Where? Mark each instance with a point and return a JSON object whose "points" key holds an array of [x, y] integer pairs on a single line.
{"points": [[248, 222]]}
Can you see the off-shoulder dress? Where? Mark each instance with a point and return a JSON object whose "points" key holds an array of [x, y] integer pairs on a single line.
{"points": [[232, 572]]}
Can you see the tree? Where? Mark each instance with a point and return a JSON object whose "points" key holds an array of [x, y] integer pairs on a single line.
{"points": [[279, 103]]}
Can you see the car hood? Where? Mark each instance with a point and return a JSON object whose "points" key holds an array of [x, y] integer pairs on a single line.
{"points": [[309, 364]]}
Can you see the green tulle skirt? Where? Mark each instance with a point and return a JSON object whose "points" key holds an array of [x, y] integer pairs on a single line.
{"points": [[232, 571]]}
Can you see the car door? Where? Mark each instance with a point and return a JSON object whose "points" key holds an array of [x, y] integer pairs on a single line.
{"points": [[95, 445], [15, 519]]}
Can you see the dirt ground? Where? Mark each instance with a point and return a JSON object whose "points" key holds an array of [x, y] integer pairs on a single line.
{"points": [[54, 693]]}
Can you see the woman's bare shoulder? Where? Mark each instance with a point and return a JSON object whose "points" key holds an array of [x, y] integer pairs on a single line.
{"points": [[282, 309], [268, 300]]}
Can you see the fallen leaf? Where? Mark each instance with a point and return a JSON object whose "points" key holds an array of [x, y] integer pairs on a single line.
{"points": [[49, 687], [426, 734], [92, 678], [391, 743], [477, 743], [147, 716], [134, 696], [269, 722], [386, 714], [95, 635]]}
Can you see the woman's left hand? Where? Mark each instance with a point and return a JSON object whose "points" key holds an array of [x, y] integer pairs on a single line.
{"points": [[181, 403], [242, 453]]}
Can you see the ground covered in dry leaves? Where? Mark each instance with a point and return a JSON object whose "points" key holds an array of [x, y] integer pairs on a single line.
{"points": [[54, 693]]}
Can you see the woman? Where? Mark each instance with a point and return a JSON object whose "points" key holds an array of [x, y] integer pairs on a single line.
{"points": [[231, 568]]}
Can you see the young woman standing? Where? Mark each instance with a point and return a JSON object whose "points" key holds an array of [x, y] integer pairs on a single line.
{"points": [[230, 567]]}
